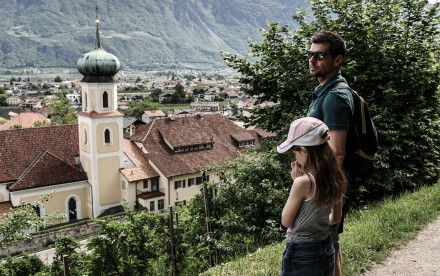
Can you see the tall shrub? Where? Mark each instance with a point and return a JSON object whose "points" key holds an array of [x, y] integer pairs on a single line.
{"points": [[393, 52]]}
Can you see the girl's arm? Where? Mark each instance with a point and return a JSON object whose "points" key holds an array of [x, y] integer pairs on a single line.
{"points": [[336, 214], [300, 190]]}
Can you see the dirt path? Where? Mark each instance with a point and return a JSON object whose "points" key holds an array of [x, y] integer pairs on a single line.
{"points": [[419, 257]]}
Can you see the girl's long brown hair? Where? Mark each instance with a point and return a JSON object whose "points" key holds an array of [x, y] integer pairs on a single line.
{"points": [[331, 182]]}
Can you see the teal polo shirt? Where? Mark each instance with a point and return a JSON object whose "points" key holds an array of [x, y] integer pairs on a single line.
{"points": [[337, 107]]}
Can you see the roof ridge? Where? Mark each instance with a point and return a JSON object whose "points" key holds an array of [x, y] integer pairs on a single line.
{"points": [[39, 157], [32, 164], [64, 161], [148, 132], [39, 160]]}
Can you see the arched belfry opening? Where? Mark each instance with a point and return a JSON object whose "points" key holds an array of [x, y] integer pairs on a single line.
{"points": [[105, 100]]}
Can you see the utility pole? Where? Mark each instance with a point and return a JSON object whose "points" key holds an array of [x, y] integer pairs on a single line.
{"points": [[173, 250], [207, 217], [66, 265]]}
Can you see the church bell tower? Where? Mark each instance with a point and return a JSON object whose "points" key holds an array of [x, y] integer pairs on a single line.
{"points": [[100, 128]]}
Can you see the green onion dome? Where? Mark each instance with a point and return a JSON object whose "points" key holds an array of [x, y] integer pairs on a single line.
{"points": [[98, 65]]}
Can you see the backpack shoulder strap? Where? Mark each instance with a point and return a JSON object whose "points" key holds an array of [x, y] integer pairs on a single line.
{"points": [[339, 84]]}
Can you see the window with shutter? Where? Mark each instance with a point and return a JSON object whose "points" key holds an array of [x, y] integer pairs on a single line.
{"points": [[178, 184], [191, 182]]}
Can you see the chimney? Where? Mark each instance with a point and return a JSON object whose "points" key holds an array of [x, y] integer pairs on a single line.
{"points": [[171, 114], [132, 130], [200, 112]]}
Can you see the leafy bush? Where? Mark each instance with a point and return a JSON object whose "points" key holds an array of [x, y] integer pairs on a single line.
{"points": [[244, 211], [22, 266], [76, 261], [137, 246], [392, 52]]}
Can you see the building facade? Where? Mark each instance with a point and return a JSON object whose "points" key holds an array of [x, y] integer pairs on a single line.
{"points": [[91, 170]]}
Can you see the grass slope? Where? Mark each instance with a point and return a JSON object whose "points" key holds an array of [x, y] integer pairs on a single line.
{"points": [[370, 233]]}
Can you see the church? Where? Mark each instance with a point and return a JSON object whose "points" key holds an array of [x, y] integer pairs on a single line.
{"points": [[91, 169]]}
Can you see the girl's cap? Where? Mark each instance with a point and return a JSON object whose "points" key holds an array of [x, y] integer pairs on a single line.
{"points": [[307, 131]]}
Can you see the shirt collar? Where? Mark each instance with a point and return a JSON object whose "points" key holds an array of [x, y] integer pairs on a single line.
{"points": [[321, 88]]}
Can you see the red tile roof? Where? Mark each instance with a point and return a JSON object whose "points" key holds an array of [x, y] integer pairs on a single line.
{"points": [[24, 119], [232, 93], [143, 170], [204, 104], [191, 130], [20, 147], [12, 114], [45, 170], [154, 113], [182, 133]]}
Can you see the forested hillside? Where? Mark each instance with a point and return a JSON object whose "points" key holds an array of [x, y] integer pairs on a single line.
{"points": [[143, 34]]}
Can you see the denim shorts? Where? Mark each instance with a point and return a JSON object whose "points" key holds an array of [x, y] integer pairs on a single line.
{"points": [[309, 258]]}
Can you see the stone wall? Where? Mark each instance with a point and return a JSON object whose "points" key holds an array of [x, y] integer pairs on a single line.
{"points": [[43, 240]]}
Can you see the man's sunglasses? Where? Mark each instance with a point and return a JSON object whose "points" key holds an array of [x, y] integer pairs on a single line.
{"points": [[317, 55]]}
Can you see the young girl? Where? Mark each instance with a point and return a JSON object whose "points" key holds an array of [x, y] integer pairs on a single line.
{"points": [[314, 201]]}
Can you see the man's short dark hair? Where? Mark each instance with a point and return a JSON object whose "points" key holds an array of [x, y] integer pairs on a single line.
{"points": [[337, 44]]}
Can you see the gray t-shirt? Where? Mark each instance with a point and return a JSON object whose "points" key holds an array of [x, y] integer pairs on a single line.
{"points": [[311, 223]]}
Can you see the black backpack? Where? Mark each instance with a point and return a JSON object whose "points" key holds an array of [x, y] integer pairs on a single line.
{"points": [[362, 141]]}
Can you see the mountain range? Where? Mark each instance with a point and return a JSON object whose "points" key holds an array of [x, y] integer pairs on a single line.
{"points": [[143, 34]]}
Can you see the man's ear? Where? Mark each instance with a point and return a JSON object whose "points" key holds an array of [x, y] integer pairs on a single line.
{"points": [[338, 61]]}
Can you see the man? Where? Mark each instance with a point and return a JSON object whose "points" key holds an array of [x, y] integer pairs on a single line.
{"points": [[326, 54]]}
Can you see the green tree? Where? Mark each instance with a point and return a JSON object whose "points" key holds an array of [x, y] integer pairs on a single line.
{"points": [[16, 127], [258, 189], [155, 94], [392, 51], [15, 223], [22, 266], [145, 239], [77, 261], [62, 111], [140, 107], [220, 97], [33, 86], [42, 123], [3, 100], [57, 79], [179, 94]]}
